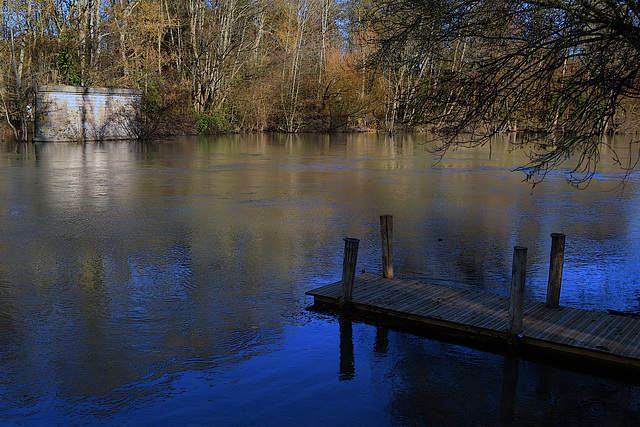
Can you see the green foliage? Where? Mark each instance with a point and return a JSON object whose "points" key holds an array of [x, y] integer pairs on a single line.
{"points": [[151, 102], [67, 68], [217, 121], [166, 109]]}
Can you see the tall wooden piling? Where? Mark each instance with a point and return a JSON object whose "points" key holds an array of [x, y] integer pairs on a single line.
{"points": [[386, 233], [555, 270], [349, 269], [516, 302]]}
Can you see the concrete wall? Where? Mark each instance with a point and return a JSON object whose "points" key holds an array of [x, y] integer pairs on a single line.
{"points": [[72, 113]]}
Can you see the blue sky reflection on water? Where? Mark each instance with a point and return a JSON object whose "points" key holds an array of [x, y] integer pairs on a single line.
{"points": [[163, 284], [412, 381]]}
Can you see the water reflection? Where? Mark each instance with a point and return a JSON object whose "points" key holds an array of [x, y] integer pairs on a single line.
{"points": [[144, 282], [347, 359], [509, 387], [382, 341]]}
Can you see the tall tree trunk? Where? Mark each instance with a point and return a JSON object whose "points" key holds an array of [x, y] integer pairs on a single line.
{"points": [[17, 68]]}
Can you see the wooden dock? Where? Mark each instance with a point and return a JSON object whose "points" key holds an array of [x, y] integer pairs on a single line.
{"points": [[589, 335]]}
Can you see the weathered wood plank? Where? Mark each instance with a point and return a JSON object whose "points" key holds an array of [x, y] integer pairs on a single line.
{"points": [[607, 335], [429, 301], [622, 338], [555, 328], [633, 345], [588, 335], [583, 323]]}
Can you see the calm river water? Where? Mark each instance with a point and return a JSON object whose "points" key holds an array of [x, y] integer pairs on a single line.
{"points": [[164, 284]]}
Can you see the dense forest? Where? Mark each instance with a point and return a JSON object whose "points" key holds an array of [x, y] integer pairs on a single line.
{"points": [[330, 65], [207, 66]]}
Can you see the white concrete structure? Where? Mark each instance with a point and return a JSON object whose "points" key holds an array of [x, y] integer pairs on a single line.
{"points": [[73, 113]]}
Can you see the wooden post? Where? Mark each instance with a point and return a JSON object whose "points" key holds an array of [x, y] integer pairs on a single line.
{"points": [[349, 269], [386, 232], [555, 270], [516, 303]]}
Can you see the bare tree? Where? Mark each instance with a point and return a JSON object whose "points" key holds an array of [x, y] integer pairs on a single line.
{"points": [[219, 41], [560, 71]]}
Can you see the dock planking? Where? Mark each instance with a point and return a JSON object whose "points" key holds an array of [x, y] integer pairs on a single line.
{"points": [[589, 335]]}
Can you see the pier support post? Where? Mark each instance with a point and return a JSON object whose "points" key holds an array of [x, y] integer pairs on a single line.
{"points": [[349, 269], [386, 233], [555, 270], [516, 303]]}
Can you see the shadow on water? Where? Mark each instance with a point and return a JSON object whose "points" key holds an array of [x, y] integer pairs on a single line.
{"points": [[347, 359], [449, 381], [383, 325], [509, 388]]}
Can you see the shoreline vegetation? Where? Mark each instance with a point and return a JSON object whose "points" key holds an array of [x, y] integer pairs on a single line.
{"points": [[171, 129], [462, 69]]}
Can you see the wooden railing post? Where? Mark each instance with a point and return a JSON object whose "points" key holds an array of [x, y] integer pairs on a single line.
{"points": [[349, 269], [386, 233], [555, 270], [516, 303]]}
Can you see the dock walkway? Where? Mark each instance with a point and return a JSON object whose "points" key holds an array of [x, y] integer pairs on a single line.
{"points": [[592, 335]]}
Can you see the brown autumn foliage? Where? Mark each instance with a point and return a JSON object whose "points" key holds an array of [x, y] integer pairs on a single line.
{"points": [[221, 66], [321, 65]]}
